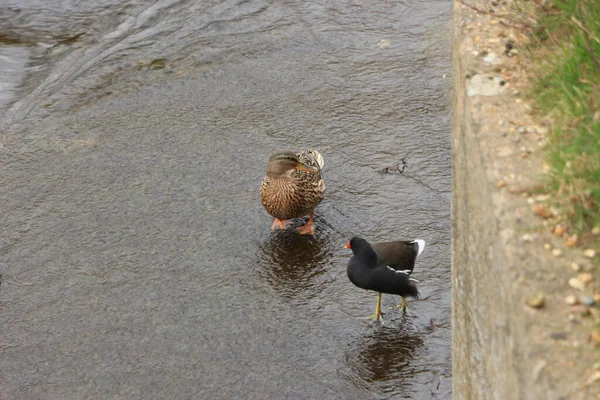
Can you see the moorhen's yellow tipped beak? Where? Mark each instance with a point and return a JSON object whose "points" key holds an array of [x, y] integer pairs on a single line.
{"points": [[347, 246], [304, 167]]}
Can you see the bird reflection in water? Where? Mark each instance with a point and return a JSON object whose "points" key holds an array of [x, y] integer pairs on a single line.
{"points": [[294, 265], [382, 357]]}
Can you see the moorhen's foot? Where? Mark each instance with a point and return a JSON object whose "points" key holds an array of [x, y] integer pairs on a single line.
{"points": [[280, 224], [373, 317]]}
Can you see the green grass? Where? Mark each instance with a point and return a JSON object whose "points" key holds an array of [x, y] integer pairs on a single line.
{"points": [[567, 88]]}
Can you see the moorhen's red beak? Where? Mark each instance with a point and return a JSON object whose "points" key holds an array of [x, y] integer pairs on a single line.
{"points": [[347, 246]]}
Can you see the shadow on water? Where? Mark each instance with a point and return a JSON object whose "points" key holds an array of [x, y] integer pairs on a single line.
{"points": [[382, 356], [292, 264]]}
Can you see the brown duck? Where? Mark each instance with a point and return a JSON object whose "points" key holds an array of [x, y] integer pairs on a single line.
{"points": [[293, 187]]}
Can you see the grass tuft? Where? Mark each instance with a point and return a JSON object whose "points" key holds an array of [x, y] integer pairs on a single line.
{"points": [[567, 88]]}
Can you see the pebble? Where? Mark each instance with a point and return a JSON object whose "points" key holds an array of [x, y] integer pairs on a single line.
{"points": [[522, 129], [556, 252], [536, 301], [576, 283], [501, 183], [491, 58], [531, 129], [589, 253], [585, 277], [571, 241], [560, 230], [595, 376], [596, 230], [575, 267], [571, 300], [527, 237], [542, 130], [530, 200], [589, 301], [547, 246], [597, 297]]}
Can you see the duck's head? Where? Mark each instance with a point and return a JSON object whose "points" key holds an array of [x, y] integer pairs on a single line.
{"points": [[281, 162]]}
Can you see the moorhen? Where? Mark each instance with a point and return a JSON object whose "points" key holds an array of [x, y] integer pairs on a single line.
{"points": [[384, 267], [293, 187]]}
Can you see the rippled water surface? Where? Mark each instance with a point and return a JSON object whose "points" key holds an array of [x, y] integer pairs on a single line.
{"points": [[136, 259]]}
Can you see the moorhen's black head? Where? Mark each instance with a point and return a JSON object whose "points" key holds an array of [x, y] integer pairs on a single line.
{"points": [[361, 248], [283, 161]]}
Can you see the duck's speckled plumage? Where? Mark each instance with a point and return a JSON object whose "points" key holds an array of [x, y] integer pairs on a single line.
{"points": [[290, 192]]}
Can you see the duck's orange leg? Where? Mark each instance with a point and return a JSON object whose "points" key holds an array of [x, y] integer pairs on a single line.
{"points": [[309, 228], [280, 224]]}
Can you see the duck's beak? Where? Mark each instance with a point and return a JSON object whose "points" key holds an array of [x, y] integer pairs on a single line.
{"points": [[347, 246], [304, 167]]}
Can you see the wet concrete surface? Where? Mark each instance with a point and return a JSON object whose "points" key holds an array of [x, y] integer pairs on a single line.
{"points": [[137, 260]]}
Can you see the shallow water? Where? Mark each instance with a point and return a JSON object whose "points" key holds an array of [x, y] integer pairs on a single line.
{"points": [[137, 260]]}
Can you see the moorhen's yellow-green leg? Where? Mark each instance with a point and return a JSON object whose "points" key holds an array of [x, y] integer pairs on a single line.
{"points": [[404, 306], [378, 312], [378, 307], [309, 228], [279, 224]]}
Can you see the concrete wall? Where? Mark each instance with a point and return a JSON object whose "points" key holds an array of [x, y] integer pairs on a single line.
{"points": [[488, 330]]}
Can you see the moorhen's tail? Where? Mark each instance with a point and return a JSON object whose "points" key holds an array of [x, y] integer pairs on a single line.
{"points": [[420, 246]]}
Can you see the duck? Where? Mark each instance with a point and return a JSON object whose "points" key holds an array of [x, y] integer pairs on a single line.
{"points": [[384, 267], [293, 187]]}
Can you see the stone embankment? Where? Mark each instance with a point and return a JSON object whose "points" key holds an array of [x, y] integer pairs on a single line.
{"points": [[513, 336]]}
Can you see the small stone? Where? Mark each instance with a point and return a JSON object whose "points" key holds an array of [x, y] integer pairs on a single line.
{"points": [[541, 211], [576, 283], [518, 101], [521, 129], [491, 58], [571, 300], [536, 301], [572, 318], [597, 297], [596, 230], [531, 129], [589, 253], [547, 246], [589, 301], [542, 130], [594, 377], [527, 237], [571, 241], [585, 277], [542, 197], [559, 230], [556, 252], [575, 267], [530, 200], [501, 183]]}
